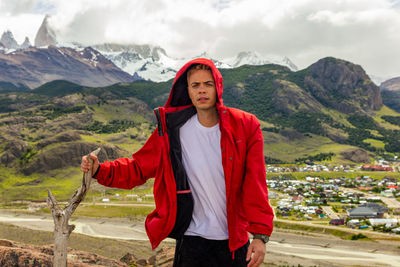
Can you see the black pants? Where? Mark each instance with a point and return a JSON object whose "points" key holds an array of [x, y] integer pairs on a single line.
{"points": [[195, 251]]}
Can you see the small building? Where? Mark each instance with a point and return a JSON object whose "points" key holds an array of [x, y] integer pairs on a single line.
{"points": [[378, 208], [365, 188], [376, 168], [390, 222], [353, 223], [337, 222], [362, 212], [387, 193]]}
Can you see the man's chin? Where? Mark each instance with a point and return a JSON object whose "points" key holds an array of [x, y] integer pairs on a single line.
{"points": [[204, 107]]}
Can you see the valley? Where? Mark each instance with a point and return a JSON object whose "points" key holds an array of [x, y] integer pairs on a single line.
{"points": [[46, 131]]}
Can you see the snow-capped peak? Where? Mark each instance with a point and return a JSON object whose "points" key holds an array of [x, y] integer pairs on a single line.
{"points": [[255, 58], [153, 63], [46, 35], [7, 39], [144, 51], [287, 62], [249, 58]]}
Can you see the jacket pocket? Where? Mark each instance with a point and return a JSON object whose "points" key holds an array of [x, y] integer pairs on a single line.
{"points": [[183, 214]]}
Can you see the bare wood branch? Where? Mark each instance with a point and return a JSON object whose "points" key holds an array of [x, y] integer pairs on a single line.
{"points": [[81, 192], [62, 229]]}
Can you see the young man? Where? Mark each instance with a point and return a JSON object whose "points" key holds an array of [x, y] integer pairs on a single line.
{"points": [[210, 185]]}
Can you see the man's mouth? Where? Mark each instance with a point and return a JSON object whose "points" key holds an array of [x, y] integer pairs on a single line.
{"points": [[202, 99]]}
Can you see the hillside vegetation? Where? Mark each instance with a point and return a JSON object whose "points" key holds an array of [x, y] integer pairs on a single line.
{"points": [[323, 113]]}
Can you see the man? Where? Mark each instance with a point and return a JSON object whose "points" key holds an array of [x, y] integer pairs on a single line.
{"points": [[210, 185]]}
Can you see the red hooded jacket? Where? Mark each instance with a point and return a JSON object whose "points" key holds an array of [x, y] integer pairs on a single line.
{"points": [[248, 209]]}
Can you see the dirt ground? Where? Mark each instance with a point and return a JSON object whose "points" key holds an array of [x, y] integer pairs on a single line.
{"points": [[286, 247]]}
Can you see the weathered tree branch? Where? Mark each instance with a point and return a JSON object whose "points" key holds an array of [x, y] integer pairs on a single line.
{"points": [[62, 229]]}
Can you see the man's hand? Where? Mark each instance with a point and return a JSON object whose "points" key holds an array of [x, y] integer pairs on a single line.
{"points": [[257, 248], [85, 164]]}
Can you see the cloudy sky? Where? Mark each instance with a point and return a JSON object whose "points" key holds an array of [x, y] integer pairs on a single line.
{"points": [[361, 31]]}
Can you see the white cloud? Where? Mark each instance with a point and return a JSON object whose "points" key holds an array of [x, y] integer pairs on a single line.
{"points": [[364, 32]]}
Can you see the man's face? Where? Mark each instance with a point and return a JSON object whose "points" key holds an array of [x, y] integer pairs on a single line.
{"points": [[201, 89]]}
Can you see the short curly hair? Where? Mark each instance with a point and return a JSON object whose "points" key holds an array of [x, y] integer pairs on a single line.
{"points": [[195, 67]]}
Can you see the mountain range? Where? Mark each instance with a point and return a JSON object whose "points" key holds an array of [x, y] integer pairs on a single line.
{"points": [[33, 67], [139, 61], [146, 62], [153, 63]]}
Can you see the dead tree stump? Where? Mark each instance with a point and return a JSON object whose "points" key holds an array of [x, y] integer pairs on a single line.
{"points": [[62, 229]]}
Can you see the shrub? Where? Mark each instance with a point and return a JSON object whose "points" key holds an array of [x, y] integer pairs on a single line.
{"points": [[358, 236]]}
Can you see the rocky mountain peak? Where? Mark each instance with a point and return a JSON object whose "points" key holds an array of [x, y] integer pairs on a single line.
{"points": [[7, 39], [157, 52], [341, 85], [250, 58], [290, 64], [45, 35], [144, 51], [25, 44], [391, 84]]}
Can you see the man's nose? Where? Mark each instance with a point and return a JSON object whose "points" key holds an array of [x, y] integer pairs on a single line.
{"points": [[202, 88]]}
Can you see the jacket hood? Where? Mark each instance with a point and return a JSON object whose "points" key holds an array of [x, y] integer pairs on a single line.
{"points": [[179, 93]]}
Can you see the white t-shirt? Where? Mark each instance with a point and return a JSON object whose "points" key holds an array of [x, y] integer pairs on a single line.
{"points": [[201, 156]]}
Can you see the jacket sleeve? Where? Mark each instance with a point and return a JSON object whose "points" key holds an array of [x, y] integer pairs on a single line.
{"points": [[127, 173], [258, 211]]}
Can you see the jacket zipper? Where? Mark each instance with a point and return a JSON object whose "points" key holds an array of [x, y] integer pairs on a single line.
{"points": [[159, 124]]}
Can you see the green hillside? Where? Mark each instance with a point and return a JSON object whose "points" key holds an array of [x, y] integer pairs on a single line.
{"points": [[58, 88], [330, 112], [391, 99]]}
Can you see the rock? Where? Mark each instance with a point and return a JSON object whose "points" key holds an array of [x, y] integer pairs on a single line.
{"points": [[91, 100], [67, 101], [391, 84], [343, 86], [291, 134], [152, 260], [337, 135], [70, 154], [165, 257], [64, 137], [289, 98], [141, 262], [14, 149], [129, 258], [8, 41], [45, 35], [356, 155], [5, 243], [26, 43], [47, 250], [21, 255]]}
